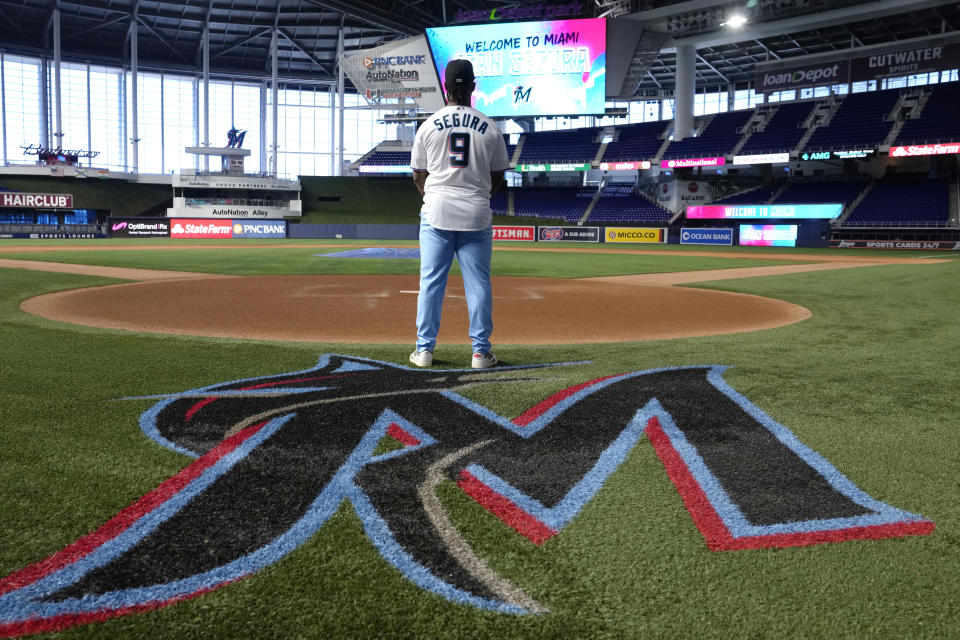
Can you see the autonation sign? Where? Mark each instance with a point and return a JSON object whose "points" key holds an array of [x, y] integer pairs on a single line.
{"points": [[797, 211]]}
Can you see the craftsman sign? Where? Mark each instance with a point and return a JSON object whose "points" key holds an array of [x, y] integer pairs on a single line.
{"points": [[515, 233], [37, 200]]}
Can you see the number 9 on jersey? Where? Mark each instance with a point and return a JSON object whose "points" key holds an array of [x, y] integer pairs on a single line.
{"points": [[459, 144]]}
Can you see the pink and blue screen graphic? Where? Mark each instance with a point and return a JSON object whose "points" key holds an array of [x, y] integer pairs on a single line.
{"points": [[768, 235], [530, 68]]}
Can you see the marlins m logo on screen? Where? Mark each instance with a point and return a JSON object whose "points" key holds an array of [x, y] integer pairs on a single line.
{"points": [[277, 456]]}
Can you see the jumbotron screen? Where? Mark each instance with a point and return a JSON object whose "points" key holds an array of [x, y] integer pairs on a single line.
{"points": [[530, 68]]}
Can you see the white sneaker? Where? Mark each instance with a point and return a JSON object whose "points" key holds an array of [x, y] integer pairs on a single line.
{"points": [[483, 360], [422, 358]]}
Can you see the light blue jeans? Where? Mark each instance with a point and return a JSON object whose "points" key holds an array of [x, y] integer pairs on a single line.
{"points": [[437, 251]]}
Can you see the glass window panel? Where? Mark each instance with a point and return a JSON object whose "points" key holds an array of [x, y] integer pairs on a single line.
{"points": [[21, 77]]}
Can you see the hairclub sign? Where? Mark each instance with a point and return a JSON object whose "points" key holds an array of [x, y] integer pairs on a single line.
{"points": [[36, 200]]}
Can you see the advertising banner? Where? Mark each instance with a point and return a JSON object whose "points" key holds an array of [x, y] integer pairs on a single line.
{"points": [[728, 211], [905, 61], [52, 236], [935, 245], [568, 234], [768, 235], [515, 233], [624, 166], [706, 236], [692, 162], [577, 166], [797, 77], [530, 68], [139, 227], [924, 150], [838, 155], [36, 200], [188, 228], [634, 234], [384, 168], [538, 11], [762, 158], [260, 229], [184, 179], [400, 69]]}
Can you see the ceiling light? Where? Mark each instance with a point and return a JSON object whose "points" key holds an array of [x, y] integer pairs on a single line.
{"points": [[735, 21]]}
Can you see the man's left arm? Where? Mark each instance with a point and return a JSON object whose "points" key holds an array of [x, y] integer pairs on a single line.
{"points": [[420, 179]]}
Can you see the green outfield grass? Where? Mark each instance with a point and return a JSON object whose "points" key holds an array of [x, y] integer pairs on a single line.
{"points": [[869, 382], [274, 259]]}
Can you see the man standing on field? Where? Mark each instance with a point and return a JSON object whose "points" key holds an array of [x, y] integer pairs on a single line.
{"points": [[458, 160]]}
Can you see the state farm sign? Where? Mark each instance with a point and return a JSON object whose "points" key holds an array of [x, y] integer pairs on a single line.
{"points": [[185, 228], [36, 200], [925, 150]]}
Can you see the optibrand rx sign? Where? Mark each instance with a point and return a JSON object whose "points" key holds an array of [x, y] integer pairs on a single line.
{"points": [[808, 75]]}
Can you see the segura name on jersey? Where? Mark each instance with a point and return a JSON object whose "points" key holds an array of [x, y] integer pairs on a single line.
{"points": [[467, 121]]}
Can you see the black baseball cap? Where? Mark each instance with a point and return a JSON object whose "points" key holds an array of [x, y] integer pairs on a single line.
{"points": [[459, 72]]}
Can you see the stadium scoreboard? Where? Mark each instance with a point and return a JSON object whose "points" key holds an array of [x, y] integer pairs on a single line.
{"points": [[555, 67]]}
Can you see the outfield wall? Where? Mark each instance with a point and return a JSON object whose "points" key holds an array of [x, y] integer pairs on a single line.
{"points": [[354, 231]]}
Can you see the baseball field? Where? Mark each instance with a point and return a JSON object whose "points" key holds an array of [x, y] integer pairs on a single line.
{"points": [[226, 441]]}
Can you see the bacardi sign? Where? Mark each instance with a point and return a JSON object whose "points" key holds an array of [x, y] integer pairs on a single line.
{"points": [[37, 200]]}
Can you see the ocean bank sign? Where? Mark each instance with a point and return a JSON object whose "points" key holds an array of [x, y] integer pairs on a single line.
{"points": [[792, 211], [706, 236]]}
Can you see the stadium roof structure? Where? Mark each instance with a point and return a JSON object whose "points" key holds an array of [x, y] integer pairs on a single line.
{"points": [[170, 34]]}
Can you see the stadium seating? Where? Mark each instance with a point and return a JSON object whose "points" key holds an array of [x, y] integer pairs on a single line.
{"points": [[939, 120], [574, 145], [759, 195], [499, 203], [385, 158], [718, 139], [568, 203], [618, 203], [903, 201], [635, 142], [817, 192], [860, 122], [783, 131]]}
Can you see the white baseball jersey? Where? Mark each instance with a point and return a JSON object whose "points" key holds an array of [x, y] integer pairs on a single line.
{"points": [[459, 146]]}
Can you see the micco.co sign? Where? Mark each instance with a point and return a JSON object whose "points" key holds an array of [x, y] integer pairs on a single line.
{"points": [[798, 77]]}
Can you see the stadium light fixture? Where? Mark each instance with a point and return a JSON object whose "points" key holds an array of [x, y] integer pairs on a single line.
{"points": [[735, 21]]}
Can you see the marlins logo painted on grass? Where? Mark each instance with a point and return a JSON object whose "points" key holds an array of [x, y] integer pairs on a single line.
{"points": [[277, 456]]}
